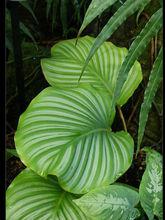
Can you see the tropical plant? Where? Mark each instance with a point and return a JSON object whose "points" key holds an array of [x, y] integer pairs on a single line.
{"points": [[66, 141], [151, 29]]}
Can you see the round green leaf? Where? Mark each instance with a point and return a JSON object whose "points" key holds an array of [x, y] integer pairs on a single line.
{"points": [[151, 186], [114, 202], [68, 133], [64, 67], [30, 196]]}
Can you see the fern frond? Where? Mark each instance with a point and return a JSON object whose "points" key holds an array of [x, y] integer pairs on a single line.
{"points": [[154, 81]]}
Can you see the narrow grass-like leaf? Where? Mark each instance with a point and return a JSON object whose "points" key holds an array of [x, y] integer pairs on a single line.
{"points": [[95, 8], [151, 186], [67, 133], [138, 14], [64, 67], [26, 31], [55, 6], [64, 15], [126, 10], [116, 202], [153, 84], [26, 5], [48, 7], [137, 47], [30, 196]]}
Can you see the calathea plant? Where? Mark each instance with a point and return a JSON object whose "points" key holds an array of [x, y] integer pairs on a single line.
{"points": [[66, 141]]}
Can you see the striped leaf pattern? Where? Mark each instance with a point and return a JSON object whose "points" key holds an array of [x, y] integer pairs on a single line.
{"points": [[127, 9], [65, 65], [151, 186], [30, 196], [114, 202], [68, 133]]}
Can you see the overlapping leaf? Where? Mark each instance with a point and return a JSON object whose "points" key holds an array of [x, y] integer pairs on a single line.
{"points": [[64, 67], [68, 133], [151, 186], [95, 8], [137, 47], [30, 196], [111, 202], [127, 9]]}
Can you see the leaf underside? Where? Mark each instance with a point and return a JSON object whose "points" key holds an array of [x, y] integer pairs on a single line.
{"points": [[30, 196], [151, 186], [68, 133], [111, 202], [64, 67]]}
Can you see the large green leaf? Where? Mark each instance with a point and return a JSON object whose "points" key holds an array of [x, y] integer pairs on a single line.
{"points": [[95, 8], [111, 202], [64, 67], [151, 186], [30, 196], [153, 84], [68, 133], [127, 9]]}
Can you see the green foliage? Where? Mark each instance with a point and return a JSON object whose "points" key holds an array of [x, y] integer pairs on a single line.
{"points": [[116, 202], [137, 47], [151, 186], [24, 28], [26, 5], [95, 8], [67, 133], [127, 9], [154, 81], [64, 67], [32, 197], [10, 153]]}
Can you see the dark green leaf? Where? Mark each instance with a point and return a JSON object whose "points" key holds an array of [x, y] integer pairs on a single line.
{"points": [[153, 84], [95, 8], [137, 47]]}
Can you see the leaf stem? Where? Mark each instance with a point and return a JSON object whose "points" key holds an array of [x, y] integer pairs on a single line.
{"points": [[122, 118]]}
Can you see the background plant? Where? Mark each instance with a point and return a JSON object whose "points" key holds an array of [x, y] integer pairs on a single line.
{"points": [[63, 199]]}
